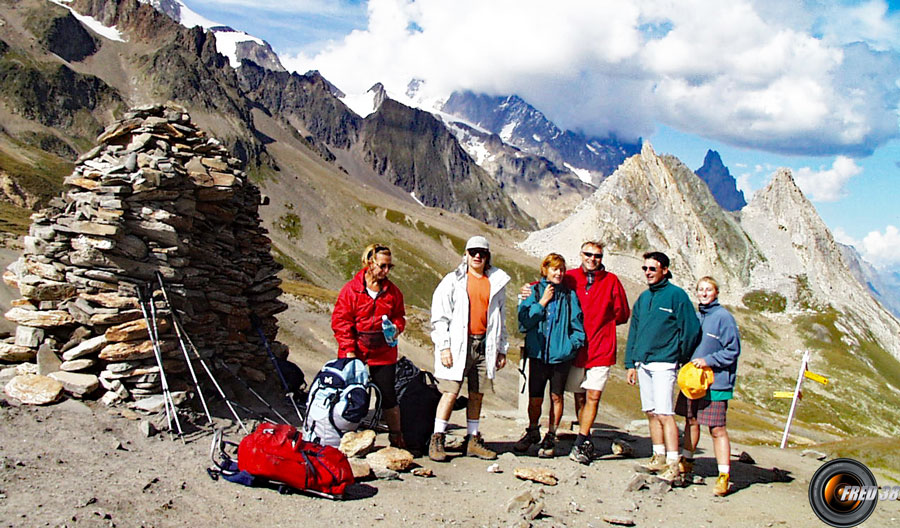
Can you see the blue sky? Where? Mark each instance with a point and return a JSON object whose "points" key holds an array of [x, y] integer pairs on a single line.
{"points": [[809, 85]]}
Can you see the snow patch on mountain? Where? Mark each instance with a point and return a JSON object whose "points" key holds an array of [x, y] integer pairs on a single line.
{"points": [[227, 40], [92, 23], [583, 174]]}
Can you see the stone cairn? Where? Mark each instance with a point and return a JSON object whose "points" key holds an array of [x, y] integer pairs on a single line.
{"points": [[156, 195]]}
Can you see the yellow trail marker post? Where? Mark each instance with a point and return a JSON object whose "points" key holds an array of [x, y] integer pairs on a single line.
{"points": [[796, 395], [816, 377]]}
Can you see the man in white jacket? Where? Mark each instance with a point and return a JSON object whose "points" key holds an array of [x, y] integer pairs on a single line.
{"points": [[469, 334]]}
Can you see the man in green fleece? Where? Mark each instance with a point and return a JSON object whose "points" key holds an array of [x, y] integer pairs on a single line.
{"points": [[664, 332]]}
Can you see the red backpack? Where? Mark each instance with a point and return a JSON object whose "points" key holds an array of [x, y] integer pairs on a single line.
{"points": [[278, 453]]}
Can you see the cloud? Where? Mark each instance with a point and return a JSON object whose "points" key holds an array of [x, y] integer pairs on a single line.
{"points": [[307, 7], [827, 185], [765, 75], [882, 249]]}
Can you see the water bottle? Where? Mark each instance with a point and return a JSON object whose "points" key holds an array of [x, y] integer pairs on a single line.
{"points": [[390, 331]]}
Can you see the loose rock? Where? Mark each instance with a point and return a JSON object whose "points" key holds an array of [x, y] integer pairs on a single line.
{"points": [[390, 458], [543, 476], [357, 443]]}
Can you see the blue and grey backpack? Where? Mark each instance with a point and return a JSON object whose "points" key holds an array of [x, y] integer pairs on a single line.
{"points": [[339, 401]]}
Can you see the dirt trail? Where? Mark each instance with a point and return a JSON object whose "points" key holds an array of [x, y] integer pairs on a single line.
{"points": [[78, 464]]}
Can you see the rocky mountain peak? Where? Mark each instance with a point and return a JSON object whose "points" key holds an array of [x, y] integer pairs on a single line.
{"points": [[654, 202], [783, 197], [379, 94], [720, 182], [805, 263]]}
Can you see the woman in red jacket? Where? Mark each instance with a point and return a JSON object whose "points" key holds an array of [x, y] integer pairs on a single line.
{"points": [[356, 322]]}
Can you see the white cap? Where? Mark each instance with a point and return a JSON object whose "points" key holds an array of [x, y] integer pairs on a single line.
{"points": [[478, 242]]}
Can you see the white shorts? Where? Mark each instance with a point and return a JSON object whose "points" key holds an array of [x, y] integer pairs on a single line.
{"points": [[581, 379], [657, 388]]}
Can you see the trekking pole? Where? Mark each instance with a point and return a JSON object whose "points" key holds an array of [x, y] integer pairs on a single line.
{"points": [[176, 321], [253, 392], [144, 310], [254, 320], [157, 350], [184, 350]]}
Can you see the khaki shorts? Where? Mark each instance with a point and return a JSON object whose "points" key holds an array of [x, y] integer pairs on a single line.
{"points": [[581, 379], [475, 370]]}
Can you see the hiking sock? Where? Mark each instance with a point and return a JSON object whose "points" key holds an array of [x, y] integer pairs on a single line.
{"points": [[471, 427], [659, 449], [440, 426], [671, 457], [688, 455], [724, 469], [580, 439]]}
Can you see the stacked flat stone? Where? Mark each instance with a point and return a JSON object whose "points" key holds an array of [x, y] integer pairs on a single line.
{"points": [[156, 195]]}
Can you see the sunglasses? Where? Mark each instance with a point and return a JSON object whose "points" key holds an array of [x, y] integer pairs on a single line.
{"points": [[388, 267], [474, 252], [651, 268], [592, 255]]}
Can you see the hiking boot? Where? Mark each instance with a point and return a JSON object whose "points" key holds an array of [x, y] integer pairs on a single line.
{"points": [[722, 487], [532, 436], [548, 446], [686, 468], [436, 448], [657, 463], [475, 448], [583, 453], [672, 474]]}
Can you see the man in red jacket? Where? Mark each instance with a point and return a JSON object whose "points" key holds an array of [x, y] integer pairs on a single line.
{"points": [[605, 306], [356, 322]]}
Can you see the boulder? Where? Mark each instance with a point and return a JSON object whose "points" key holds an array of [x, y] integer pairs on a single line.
{"points": [[33, 389], [74, 365], [358, 443], [39, 318], [29, 336], [85, 348], [392, 458], [47, 360], [15, 353], [133, 330], [77, 384]]}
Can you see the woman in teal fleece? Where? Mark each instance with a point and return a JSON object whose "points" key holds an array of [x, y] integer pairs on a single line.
{"points": [[553, 324]]}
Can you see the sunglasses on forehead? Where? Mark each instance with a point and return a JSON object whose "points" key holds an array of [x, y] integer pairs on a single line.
{"points": [[474, 252], [588, 254]]}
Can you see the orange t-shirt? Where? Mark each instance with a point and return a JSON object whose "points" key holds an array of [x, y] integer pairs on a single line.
{"points": [[479, 290]]}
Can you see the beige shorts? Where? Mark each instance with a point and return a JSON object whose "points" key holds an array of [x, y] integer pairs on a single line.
{"points": [[581, 379], [475, 371]]}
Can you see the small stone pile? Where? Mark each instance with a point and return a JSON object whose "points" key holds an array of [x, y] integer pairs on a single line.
{"points": [[156, 195]]}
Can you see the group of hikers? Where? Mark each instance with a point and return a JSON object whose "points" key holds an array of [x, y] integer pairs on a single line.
{"points": [[569, 320]]}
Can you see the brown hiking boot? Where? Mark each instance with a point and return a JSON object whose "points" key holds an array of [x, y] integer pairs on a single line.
{"points": [[672, 474], [657, 463], [475, 448], [436, 448], [532, 436]]}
